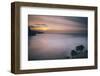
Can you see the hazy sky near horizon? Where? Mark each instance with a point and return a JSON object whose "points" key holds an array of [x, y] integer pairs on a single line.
{"points": [[60, 23]]}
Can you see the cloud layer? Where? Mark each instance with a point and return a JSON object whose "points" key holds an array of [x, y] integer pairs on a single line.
{"points": [[60, 23]]}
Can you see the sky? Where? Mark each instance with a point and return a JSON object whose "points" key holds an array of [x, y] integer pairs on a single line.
{"points": [[62, 24]]}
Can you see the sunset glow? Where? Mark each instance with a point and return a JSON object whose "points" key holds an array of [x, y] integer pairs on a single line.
{"points": [[40, 28]]}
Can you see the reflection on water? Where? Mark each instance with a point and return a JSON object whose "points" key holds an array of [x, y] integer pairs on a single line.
{"points": [[54, 46]]}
